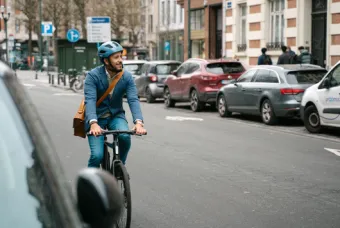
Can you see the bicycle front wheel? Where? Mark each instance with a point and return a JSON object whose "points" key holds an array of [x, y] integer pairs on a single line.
{"points": [[124, 184]]}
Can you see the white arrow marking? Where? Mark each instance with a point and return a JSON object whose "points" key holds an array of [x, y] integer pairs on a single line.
{"points": [[180, 118], [334, 151]]}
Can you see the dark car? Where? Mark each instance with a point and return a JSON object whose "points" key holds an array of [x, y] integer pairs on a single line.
{"points": [[34, 191], [198, 81], [153, 74], [269, 91]]}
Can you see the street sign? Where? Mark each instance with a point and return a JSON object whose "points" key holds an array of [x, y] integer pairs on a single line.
{"points": [[73, 35], [167, 46], [47, 28], [229, 5], [98, 29]]}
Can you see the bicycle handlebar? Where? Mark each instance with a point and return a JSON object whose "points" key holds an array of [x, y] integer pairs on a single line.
{"points": [[116, 132]]}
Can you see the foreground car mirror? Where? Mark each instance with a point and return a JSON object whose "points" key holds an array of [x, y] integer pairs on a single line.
{"points": [[99, 199], [174, 73], [327, 83]]}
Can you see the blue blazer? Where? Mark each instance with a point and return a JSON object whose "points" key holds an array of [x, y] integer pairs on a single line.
{"points": [[96, 83]]}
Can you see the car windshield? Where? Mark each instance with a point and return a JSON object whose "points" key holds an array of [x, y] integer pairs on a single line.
{"points": [[133, 68], [22, 195], [164, 69], [225, 68], [305, 77]]}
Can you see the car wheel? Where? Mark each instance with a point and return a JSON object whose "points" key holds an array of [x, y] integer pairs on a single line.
{"points": [[223, 107], [267, 113], [312, 119], [195, 104], [148, 95], [169, 103]]}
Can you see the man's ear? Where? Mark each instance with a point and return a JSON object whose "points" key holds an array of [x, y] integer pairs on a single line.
{"points": [[106, 61]]}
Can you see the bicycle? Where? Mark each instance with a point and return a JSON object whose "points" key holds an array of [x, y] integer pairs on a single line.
{"points": [[118, 170]]}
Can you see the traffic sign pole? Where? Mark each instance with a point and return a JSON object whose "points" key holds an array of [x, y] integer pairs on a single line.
{"points": [[73, 36], [40, 40]]}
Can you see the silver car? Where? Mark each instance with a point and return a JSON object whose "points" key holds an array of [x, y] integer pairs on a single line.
{"points": [[151, 82], [268, 91], [134, 67]]}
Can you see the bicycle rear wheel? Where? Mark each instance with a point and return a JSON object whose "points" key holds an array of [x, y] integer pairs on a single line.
{"points": [[124, 184]]}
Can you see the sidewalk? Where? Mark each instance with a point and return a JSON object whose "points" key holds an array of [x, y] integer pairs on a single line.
{"points": [[42, 77]]}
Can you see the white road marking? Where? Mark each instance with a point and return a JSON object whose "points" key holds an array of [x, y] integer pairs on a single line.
{"points": [[334, 151], [29, 85], [181, 118], [66, 94]]}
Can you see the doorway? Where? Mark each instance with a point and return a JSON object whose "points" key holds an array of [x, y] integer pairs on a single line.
{"points": [[319, 32]]}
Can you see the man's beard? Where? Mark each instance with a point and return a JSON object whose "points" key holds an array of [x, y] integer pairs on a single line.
{"points": [[112, 68]]}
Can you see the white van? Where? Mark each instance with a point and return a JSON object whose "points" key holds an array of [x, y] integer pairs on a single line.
{"points": [[320, 105]]}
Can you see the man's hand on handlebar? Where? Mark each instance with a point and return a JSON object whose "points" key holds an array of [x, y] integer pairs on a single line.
{"points": [[96, 129], [139, 129]]}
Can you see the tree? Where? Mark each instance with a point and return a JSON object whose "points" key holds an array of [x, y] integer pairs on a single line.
{"points": [[133, 19], [116, 10], [30, 9], [54, 11], [80, 6]]}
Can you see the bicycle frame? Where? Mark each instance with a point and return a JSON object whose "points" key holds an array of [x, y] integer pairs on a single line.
{"points": [[115, 148]]}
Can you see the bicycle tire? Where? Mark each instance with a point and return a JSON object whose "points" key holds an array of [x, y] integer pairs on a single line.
{"points": [[106, 160], [123, 179]]}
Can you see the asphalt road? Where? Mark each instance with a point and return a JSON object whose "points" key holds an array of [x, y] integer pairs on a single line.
{"points": [[211, 172]]}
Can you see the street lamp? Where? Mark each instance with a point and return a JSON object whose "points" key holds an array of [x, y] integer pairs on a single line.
{"points": [[6, 18]]}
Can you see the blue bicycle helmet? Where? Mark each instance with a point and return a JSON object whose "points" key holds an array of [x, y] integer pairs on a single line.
{"points": [[107, 49]]}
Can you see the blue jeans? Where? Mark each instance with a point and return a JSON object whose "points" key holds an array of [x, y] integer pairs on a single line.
{"points": [[97, 143]]}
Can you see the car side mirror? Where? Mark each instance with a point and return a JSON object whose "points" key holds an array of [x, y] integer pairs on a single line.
{"points": [[99, 199], [327, 83], [174, 73]]}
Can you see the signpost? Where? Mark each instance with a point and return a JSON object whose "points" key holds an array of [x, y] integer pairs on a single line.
{"points": [[73, 36], [47, 30], [98, 29]]}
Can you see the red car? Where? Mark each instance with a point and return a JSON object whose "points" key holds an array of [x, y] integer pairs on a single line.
{"points": [[198, 81]]}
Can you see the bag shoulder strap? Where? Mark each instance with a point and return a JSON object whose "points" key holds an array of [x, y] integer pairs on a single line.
{"points": [[111, 87]]}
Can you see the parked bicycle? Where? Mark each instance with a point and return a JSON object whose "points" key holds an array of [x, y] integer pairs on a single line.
{"points": [[117, 169]]}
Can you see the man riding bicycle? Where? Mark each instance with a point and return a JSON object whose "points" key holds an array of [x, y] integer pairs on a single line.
{"points": [[110, 113]]}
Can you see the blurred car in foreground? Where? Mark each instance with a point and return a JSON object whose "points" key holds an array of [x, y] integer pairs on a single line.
{"points": [[134, 67], [198, 81], [269, 91], [34, 191], [151, 83], [320, 105]]}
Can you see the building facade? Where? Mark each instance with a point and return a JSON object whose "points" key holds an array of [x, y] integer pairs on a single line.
{"points": [[206, 28], [170, 30], [253, 24]]}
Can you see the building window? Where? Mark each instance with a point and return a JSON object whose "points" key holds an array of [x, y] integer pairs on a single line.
{"points": [[198, 48], [242, 45], [175, 12], [163, 13], [277, 22], [197, 19], [181, 15], [150, 23], [17, 25]]}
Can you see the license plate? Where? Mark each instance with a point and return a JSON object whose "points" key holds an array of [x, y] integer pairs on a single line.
{"points": [[224, 82]]}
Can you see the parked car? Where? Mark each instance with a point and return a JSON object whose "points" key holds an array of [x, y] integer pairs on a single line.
{"points": [[198, 81], [134, 67], [34, 191], [269, 91], [320, 105], [153, 74]]}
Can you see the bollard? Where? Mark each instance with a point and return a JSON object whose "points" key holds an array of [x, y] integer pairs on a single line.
{"points": [[58, 79], [49, 79], [36, 75], [64, 79], [52, 79]]}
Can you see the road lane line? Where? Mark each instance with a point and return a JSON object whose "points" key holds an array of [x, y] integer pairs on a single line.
{"points": [[333, 151]]}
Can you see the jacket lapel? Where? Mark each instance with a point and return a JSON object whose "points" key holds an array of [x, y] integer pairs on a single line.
{"points": [[103, 79]]}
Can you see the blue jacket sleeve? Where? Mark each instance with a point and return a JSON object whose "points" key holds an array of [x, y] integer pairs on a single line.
{"points": [[133, 101], [90, 93]]}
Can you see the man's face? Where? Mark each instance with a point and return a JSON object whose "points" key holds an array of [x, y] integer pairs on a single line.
{"points": [[115, 63]]}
